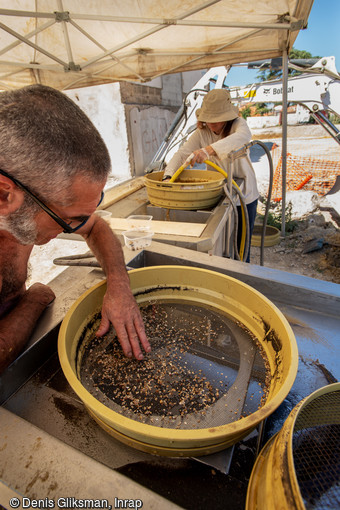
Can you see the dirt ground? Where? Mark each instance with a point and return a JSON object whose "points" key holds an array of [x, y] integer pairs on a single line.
{"points": [[313, 248]]}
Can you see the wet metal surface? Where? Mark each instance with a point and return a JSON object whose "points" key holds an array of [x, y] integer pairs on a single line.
{"points": [[318, 339], [48, 402]]}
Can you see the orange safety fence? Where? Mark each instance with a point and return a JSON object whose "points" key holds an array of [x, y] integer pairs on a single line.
{"points": [[305, 173]]}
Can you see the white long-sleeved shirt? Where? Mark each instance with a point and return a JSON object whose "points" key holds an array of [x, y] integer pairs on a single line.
{"points": [[239, 135]]}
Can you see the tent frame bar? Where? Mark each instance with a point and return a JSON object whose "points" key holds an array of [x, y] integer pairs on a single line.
{"points": [[28, 36], [113, 57], [33, 45], [279, 25]]}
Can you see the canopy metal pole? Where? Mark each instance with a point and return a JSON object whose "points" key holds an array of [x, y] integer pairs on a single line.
{"points": [[29, 43], [284, 137]]}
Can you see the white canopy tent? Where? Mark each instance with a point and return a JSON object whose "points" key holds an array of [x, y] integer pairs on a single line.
{"points": [[74, 43], [69, 44]]}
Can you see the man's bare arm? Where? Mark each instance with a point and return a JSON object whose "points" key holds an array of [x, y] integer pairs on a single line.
{"points": [[17, 326], [119, 305]]}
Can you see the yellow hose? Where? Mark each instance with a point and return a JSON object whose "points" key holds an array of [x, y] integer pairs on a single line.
{"points": [[219, 169], [179, 171]]}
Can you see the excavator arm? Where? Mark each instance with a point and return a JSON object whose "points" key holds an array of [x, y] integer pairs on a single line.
{"points": [[317, 89]]}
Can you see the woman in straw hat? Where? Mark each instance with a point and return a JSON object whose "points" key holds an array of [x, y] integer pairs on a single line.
{"points": [[220, 131]]}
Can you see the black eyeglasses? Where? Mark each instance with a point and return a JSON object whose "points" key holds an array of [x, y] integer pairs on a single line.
{"points": [[67, 229]]}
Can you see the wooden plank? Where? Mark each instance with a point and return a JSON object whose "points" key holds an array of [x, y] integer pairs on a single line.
{"points": [[160, 227], [120, 191]]}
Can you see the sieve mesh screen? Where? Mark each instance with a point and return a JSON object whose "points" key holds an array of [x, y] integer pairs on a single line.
{"points": [[204, 370], [316, 451]]}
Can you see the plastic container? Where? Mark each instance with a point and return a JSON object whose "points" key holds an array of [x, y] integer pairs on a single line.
{"points": [[194, 189], [140, 221], [103, 214], [272, 236], [137, 239]]}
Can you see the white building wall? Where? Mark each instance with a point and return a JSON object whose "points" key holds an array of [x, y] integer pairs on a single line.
{"points": [[103, 106], [262, 122], [299, 117]]}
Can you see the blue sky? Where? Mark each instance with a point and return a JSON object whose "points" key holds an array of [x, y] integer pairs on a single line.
{"points": [[321, 37]]}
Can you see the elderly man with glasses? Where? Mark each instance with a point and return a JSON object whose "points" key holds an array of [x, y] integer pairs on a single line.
{"points": [[53, 168]]}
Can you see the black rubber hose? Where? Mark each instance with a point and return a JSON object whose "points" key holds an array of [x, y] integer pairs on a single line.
{"points": [[226, 191], [245, 210], [270, 188]]}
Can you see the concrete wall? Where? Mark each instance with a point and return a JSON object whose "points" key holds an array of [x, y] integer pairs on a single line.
{"points": [[263, 121], [133, 118], [172, 90], [150, 109], [148, 126], [299, 117], [103, 106]]}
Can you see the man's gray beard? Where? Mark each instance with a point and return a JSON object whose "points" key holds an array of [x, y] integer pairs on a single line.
{"points": [[21, 224]]}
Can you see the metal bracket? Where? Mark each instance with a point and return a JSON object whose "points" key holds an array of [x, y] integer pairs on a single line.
{"points": [[62, 16], [72, 67], [143, 51], [297, 25], [170, 21]]}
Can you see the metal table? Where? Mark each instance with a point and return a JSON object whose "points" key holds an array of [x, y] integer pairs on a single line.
{"points": [[51, 448]]}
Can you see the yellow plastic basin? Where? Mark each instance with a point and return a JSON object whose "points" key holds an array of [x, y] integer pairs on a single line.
{"points": [[194, 189], [221, 293], [272, 236]]}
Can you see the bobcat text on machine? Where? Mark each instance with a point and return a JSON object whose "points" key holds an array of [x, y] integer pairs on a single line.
{"points": [[317, 89]]}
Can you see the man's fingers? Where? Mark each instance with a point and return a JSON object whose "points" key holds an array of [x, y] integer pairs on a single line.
{"points": [[128, 324], [139, 326], [137, 337], [104, 327], [125, 342]]}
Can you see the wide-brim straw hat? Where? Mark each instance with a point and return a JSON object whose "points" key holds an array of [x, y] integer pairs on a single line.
{"points": [[217, 107]]}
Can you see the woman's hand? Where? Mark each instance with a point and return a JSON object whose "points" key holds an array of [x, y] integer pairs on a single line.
{"points": [[202, 154]]}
